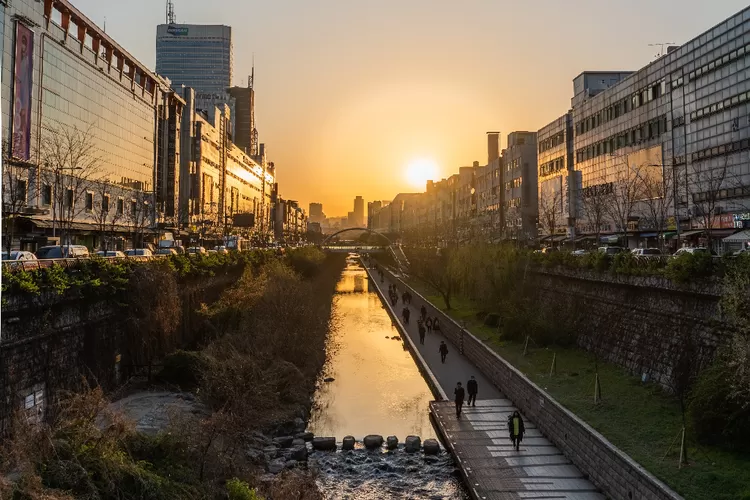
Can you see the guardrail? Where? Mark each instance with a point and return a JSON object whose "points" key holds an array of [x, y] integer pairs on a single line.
{"points": [[30, 265]]}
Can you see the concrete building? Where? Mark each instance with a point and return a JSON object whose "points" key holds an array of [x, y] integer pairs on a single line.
{"points": [[199, 56], [359, 212], [679, 123], [316, 212], [557, 180], [244, 132], [84, 86], [373, 208], [520, 198]]}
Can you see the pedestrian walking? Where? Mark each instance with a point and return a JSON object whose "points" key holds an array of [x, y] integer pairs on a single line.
{"points": [[423, 310], [472, 389], [408, 297], [443, 350], [406, 313], [428, 324], [405, 297], [516, 429], [459, 399], [421, 331], [436, 324]]}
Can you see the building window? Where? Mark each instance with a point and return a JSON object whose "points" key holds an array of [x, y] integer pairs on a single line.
{"points": [[133, 207], [46, 194], [120, 206], [89, 201], [20, 191], [105, 203], [69, 197]]}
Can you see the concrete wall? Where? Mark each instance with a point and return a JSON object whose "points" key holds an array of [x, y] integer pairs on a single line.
{"points": [[52, 343], [607, 467]]}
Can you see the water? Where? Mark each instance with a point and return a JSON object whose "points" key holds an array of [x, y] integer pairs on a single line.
{"points": [[377, 389]]}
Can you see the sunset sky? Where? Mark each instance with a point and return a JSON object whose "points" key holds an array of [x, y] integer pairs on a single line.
{"points": [[349, 93]]}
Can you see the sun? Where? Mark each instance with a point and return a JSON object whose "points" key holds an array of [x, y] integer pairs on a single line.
{"points": [[421, 170]]}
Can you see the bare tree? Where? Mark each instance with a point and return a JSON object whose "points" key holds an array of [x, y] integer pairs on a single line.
{"points": [[657, 185], [626, 194], [71, 164], [105, 215], [433, 267], [139, 216], [15, 192], [705, 188], [550, 209], [594, 202]]}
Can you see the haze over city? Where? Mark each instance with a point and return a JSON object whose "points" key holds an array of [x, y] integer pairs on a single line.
{"points": [[350, 93]]}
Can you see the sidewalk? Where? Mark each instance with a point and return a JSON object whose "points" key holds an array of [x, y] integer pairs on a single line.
{"points": [[480, 441]]}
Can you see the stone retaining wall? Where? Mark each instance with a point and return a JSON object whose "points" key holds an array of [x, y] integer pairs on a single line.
{"points": [[606, 466]]}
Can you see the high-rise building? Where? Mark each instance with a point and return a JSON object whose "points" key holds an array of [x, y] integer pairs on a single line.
{"points": [[373, 208], [316, 212], [197, 56], [244, 132], [359, 211]]}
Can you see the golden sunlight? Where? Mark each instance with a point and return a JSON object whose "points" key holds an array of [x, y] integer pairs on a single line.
{"points": [[421, 170]]}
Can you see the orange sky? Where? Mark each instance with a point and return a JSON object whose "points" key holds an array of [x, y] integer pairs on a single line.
{"points": [[348, 93]]}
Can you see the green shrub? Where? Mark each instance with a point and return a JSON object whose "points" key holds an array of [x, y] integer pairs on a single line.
{"points": [[240, 490], [184, 368], [689, 266], [306, 260], [717, 415]]}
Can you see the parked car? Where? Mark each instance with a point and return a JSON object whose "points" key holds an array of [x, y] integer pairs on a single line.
{"points": [[196, 250], [646, 252], [110, 253], [580, 251], [166, 251], [612, 250], [695, 250], [18, 255], [221, 249], [139, 252], [62, 252], [549, 250]]}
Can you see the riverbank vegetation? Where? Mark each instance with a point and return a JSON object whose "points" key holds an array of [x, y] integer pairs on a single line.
{"points": [[489, 291], [264, 346]]}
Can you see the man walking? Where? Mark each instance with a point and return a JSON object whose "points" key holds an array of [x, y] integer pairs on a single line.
{"points": [[420, 326], [406, 313], [423, 310], [516, 429], [472, 389], [443, 351], [428, 324], [459, 393]]}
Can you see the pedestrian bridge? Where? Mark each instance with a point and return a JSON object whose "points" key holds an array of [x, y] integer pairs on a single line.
{"points": [[353, 248]]}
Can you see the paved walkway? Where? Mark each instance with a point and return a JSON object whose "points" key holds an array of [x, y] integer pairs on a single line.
{"points": [[479, 441]]}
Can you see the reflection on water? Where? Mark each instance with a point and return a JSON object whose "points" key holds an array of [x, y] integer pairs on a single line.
{"points": [[377, 389]]}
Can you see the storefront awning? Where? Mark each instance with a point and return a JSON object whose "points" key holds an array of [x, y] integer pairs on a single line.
{"points": [[84, 226], [740, 237], [687, 234], [721, 233], [649, 235]]}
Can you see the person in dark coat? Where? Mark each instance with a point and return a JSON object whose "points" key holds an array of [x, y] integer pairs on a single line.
{"points": [[406, 313], [421, 328], [436, 324], [405, 297], [443, 350], [459, 399], [428, 324], [423, 310], [472, 389], [516, 429]]}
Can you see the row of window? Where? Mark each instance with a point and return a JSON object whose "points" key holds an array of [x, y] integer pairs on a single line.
{"points": [[722, 194], [46, 195], [551, 142], [552, 166], [622, 107], [718, 107], [722, 150], [644, 132], [515, 183], [512, 165], [514, 203], [719, 62]]}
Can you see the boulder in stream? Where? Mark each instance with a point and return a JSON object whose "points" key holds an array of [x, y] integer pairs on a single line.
{"points": [[283, 441], [276, 466], [299, 453], [431, 447], [348, 443], [373, 441], [324, 443], [392, 442], [307, 436], [412, 444]]}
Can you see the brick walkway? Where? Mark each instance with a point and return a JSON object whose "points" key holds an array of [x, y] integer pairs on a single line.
{"points": [[479, 441]]}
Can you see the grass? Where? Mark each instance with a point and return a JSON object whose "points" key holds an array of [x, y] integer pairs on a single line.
{"points": [[640, 419]]}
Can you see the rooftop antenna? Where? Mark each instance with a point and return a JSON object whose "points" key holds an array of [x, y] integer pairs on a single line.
{"points": [[105, 24], [170, 13], [251, 78], [661, 47]]}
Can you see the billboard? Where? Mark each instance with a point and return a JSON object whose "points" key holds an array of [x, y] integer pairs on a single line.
{"points": [[177, 30], [22, 85]]}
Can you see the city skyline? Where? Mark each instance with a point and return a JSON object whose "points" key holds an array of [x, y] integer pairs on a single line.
{"points": [[331, 132]]}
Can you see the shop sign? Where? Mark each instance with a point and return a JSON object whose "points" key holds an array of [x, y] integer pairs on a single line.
{"points": [[742, 220], [177, 30]]}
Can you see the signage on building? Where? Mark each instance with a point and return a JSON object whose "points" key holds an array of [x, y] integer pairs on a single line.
{"points": [[22, 86], [177, 30], [742, 220], [243, 220], [209, 95]]}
